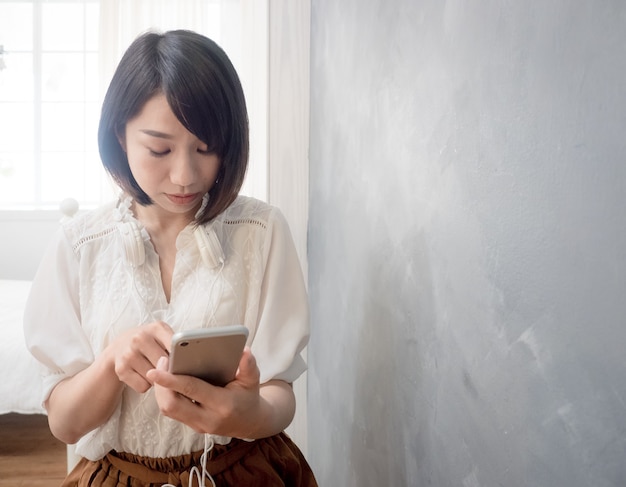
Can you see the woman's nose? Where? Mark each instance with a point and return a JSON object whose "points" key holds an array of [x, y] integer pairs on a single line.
{"points": [[183, 171]]}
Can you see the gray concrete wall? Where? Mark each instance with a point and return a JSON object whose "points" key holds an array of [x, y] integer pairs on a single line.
{"points": [[467, 244]]}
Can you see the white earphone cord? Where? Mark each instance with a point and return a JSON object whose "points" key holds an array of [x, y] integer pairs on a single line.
{"points": [[208, 446], [208, 440]]}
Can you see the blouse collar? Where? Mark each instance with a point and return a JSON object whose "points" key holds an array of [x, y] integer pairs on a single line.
{"points": [[206, 240]]}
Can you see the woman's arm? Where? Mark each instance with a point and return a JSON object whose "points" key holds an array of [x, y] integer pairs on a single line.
{"points": [[83, 402], [280, 405]]}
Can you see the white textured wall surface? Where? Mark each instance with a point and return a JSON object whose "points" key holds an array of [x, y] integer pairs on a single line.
{"points": [[24, 236], [467, 246]]}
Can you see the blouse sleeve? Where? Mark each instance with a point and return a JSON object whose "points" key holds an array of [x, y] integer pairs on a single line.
{"points": [[52, 324], [283, 326]]}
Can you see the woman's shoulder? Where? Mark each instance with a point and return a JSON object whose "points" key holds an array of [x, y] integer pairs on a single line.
{"points": [[94, 223], [248, 210]]}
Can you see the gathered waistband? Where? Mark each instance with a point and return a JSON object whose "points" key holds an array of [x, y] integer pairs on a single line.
{"points": [[269, 462], [176, 470]]}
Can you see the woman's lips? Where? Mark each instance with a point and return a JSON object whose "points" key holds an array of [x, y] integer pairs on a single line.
{"points": [[182, 199]]}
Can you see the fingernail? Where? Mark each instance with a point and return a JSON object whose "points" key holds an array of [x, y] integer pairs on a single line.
{"points": [[162, 363]]}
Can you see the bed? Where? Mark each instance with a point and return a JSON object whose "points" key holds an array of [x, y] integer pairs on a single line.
{"points": [[20, 389]]}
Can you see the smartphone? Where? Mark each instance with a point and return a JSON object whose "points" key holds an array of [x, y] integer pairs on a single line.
{"points": [[211, 354]]}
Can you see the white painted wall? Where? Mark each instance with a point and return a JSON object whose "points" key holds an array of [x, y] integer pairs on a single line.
{"points": [[288, 141], [23, 237]]}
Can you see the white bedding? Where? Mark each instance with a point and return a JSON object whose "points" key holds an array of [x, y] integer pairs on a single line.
{"points": [[20, 387]]}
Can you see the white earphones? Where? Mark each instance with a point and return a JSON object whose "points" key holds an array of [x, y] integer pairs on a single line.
{"points": [[209, 246]]}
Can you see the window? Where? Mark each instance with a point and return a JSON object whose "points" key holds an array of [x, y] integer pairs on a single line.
{"points": [[49, 103]]}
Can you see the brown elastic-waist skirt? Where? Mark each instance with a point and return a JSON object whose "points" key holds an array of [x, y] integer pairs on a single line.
{"points": [[269, 462]]}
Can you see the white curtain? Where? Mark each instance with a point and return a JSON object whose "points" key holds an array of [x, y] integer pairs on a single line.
{"points": [[238, 26], [123, 20]]}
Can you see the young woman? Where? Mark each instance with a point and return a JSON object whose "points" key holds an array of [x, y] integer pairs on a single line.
{"points": [[180, 249]]}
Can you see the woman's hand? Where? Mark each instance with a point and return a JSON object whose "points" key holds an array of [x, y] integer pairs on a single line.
{"points": [[126, 360], [242, 409], [137, 351]]}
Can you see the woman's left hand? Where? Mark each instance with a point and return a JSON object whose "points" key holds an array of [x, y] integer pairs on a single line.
{"points": [[237, 410]]}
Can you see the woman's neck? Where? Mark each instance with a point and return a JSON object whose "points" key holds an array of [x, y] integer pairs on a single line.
{"points": [[158, 222]]}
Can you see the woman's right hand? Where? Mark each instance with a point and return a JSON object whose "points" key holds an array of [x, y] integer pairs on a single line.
{"points": [[137, 351], [82, 402]]}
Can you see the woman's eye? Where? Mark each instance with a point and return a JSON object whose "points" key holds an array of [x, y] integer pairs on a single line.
{"points": [[205, 151], [156, 153]]}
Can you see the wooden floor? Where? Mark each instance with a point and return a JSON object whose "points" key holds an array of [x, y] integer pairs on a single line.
{"points": [[29, 454]]}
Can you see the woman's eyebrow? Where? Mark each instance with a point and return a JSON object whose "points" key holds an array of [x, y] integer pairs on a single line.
{"points": [[156, 133]]}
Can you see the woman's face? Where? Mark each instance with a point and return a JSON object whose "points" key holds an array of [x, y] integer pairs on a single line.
{"points": [[170, 164]]}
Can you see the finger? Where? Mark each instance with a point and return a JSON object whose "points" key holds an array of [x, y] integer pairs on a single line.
{"points": [[163, 334], [142, 360], [184, 385], [157, 342], [248, 372], [178, 398], [133, 366], [131, 377], [147, 346], [172, 404]]}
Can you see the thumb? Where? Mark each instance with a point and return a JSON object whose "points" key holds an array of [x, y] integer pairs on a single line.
{"points": [[248, 371]]}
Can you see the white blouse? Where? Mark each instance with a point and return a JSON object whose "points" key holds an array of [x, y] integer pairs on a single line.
{"points": [[100, 276]]}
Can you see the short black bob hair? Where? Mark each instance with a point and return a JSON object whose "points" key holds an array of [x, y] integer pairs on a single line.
{"points": [[204, 93]]}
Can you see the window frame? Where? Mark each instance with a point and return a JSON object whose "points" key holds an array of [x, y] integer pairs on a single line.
{"points": [[38, 53]]}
